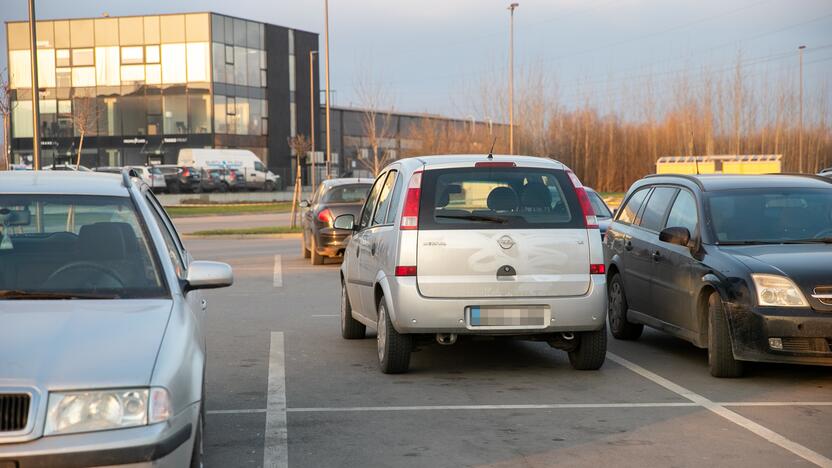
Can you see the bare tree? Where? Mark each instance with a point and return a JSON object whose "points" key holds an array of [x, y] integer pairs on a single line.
{"points": [[5, 111], [85, 114], [301, 146], [376, 122]]}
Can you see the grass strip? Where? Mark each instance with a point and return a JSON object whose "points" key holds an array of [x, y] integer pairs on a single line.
{"points": [[253, 231]]}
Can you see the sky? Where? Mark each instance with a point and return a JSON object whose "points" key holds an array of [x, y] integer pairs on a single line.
{"points": [[430, 54]]}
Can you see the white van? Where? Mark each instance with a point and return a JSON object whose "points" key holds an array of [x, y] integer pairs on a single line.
{"points": [[256, 174]]}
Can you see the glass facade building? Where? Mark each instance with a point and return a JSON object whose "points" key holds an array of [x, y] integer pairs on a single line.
{"points": [[143, 87]]}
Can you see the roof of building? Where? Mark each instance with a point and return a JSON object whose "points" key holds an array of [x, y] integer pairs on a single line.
{"points": [[418, 115], [62, 183]]}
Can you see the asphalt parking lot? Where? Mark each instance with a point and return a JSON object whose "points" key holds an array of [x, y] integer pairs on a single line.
{"points": [[284, 387]]}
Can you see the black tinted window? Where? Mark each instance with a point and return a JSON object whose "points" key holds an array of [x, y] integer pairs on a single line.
{"points": [[498, 198], [370, 204], [598, 205], [653, 216], [353, 193], [384, 199], [683, 214], [630, 210]]}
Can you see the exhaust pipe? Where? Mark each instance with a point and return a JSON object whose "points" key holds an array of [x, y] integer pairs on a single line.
{"points": [[446, 339], [568, 336]]}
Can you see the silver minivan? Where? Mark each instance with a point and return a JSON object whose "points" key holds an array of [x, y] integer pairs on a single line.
{"points": [[475, 245]]}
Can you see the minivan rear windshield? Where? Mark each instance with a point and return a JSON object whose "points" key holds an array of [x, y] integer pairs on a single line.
{"points": [[498, 198]]}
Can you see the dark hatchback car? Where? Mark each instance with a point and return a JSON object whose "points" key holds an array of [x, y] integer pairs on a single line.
{"points": [[740, 265], [333, 198], [602, 212]]}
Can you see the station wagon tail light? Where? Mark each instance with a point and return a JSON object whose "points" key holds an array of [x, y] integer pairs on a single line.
{"points": [[405, 271], [410, 212], [597, 269], [326, 216], [590, 220]]}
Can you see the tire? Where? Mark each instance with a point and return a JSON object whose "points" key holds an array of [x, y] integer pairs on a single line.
{"points": [[620, 327], [351, 329], [720, 353], [268, 186], [198, 453], [317, 259], [393, 348], [591, 350], [303, 249], [174, 188]]}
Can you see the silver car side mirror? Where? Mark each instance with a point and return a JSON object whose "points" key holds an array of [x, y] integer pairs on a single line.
{"points": [[208, 275], [345, 222], [304, 204]]}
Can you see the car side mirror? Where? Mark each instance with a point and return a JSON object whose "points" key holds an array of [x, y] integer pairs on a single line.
{"points": [[675, 235], [208, 275], [304, 204], [345, 221]]}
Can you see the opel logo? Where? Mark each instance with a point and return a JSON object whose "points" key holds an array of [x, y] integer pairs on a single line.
{"points": [[506, 242]]}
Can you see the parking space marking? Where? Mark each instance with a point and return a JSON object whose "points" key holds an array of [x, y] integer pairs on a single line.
{"points": [[326, 315], [275, 448], [278, 271], [720, 410]]}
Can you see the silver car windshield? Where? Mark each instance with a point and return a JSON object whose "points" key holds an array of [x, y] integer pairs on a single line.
{"points": [[65, 247]]}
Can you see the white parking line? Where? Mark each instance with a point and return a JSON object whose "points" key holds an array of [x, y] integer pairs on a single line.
{"points": [[275, 448], [762, 431], [320, 316], [516, 407], [278, 271]]}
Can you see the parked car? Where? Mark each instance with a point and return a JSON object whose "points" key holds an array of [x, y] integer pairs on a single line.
{"points": [[66, 167], [212, 181], [740, 265], [256, 175], [333, 198], [170, 173], [475, 245], [151, 175], [185, 179], [826, 172], [106, 362], [601, 210]]}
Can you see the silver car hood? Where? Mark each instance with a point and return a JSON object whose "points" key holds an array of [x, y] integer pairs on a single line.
{"points": [[79, 344]]}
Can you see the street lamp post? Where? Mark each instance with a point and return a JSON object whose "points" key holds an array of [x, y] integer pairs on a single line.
{"points": [[33, 56], [312, 53], [800, 120], [511, 8], [326, 72]]}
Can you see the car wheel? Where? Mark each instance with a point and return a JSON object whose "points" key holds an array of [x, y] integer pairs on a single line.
{"points": [[268, 186], [174, 188], [393, 347], [351, 329], [620, 327], [591, 350], [303, 249], [317, 259], [198, 453], [720, 353]]}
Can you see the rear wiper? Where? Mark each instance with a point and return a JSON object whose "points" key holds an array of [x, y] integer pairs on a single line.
{"points": [[18, 294], [473, 217]]}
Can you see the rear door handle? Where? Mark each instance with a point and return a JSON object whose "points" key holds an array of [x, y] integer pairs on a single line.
{"points": [[204, 304], [373, 248], [628, 245], [657, 256]]}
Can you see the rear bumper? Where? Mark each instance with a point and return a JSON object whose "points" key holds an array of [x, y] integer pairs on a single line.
{"points": [[331, 242], [806, 335], [411, 312], [159, 445]]}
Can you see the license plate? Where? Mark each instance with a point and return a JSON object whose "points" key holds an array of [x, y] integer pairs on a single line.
{"points": [[500, 316]]}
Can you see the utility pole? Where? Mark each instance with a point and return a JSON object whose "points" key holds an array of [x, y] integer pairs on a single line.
{"points": [[511, 8], [326, 52], [312, 53], [33, 56], [800, 130]]}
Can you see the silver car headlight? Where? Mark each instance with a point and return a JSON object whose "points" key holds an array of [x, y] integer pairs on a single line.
{"points": [[778, 291], [85, 411]]}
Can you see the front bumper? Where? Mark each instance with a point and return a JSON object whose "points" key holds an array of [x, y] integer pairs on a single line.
{"points": [[411, 312], [806, 334], [167, 444]]}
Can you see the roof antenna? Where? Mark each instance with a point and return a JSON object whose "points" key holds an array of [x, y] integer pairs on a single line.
{"points": [[696, 163], [491, 151]]}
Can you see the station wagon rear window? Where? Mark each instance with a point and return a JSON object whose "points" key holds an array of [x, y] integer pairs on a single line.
{"points": [[498, 198]]}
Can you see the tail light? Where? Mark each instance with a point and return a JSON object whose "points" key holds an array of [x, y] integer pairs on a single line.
{"points": [[590, 220], [325, 216], [410, 212], [186, 172], [405, 271], [597, 269]]}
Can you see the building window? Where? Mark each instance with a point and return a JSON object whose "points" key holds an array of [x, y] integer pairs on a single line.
{"points": [[292, 78], [173, 64], [219, 115], [152, 54], [240, 71], [107, 66], [132, 73], [199, 113], [83, 57], [253, 67], [131, 31], [198, 62], [83, 76], [242, 116], [22, 119], [62, 58], [176, 114], [46, 68], [63, 77], [132, 55], [20, 69], [218, 62], [109, 116], [153, 74]]}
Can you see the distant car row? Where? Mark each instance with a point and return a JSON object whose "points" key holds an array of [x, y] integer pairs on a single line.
{"points": [[464, 245]]}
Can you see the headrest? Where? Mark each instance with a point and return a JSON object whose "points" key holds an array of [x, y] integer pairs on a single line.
{"points": [[502, 199], [104, 241], [536, 195], [445, 195]]}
